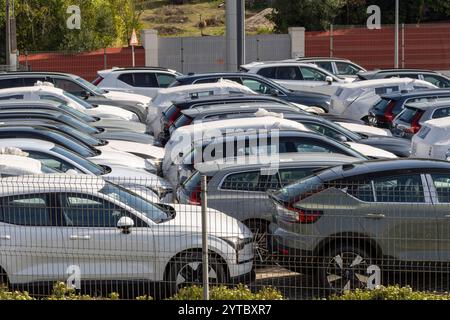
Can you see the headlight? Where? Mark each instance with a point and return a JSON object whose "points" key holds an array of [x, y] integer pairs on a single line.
{"points": [[160, 191], [237, 243]]}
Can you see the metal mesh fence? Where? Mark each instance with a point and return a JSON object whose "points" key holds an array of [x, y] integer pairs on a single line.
{"points": [[308, 239]]}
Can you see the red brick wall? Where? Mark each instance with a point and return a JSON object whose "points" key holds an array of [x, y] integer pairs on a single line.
{"points": [[426, 46], [85, 64]]}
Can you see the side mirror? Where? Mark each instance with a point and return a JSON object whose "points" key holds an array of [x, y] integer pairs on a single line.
{"points": [[341, 138], [85, 94], [274, 92], [329, 80], [125, 224]]}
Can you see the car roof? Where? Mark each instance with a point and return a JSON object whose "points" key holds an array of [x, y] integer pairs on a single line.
{"points": [[26, 103], [29, 143], [57, 182], [218, 108], [229, 97], [322, 58], [19, 90], [282, 159], [35, 73], [217, 74], [276, 64], [388, 166], [415, 93], [382, 82], [428, 105], [373, 73]]}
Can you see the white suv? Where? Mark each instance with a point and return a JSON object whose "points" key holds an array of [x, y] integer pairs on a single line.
{"points": [[53, 224], [145, 81]]}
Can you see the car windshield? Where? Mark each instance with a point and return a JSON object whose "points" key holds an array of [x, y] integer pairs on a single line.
{"points": [[76, 113], [46, 169], [78, 147], [182, 121], [408, 115], [78, 100], [79, 124], [293, 192], [134, 201], [83, 137], [90, 86], [85, 163]]}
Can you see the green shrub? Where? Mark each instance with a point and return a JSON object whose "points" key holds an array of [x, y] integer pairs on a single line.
{"points": [[62, 292], [390, 293], [240, 292], [16, 295]]}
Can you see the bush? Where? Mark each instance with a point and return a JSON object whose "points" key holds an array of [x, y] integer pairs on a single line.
{"points": [[240, 292], [390, 293]]}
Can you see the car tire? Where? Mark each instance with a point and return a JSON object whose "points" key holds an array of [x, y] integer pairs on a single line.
{"points": [[344, 267], [4, 283], [261, 238], [187, 270]]}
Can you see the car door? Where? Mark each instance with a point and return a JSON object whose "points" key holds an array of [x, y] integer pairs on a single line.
{"points": [[439, 184], [98, 247], [145, 83], [31, 244], [401, 218]]}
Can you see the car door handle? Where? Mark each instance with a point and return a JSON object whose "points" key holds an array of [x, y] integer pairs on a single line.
{"points": [[375, 216], [5, 237], [79, 237]]}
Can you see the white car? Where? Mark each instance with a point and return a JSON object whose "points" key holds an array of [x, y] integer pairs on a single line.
{"points": [[297, 75], [165, 97], [20, 164], [44, 91], [146, 81], [433, 140], [62, 160], [110, 234], [354, 100]]}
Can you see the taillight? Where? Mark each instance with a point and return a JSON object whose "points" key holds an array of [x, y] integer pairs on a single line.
{"points": [[388, 113], [415, 126], [296, 215], [172, 118], [195, 196], [97, 81]]}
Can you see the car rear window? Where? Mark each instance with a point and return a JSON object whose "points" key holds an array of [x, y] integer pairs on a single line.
{"points": [[171, 112], [298, 189], [182, 121], [408, 115], [381, 105], [193, 182]]}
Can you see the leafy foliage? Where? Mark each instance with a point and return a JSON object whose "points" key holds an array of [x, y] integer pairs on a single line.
{"points": [[240, 292], [390, 293]]}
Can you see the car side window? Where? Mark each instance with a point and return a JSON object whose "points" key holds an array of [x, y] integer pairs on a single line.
{"points": [[249, 181], [383, 90], [84, 210], [257, 86], [344, 68], [305, 145], [145, 80], [127, 78], [441, 113], [311, 74], [29, 82], [289, 73], [52, 162], [360, 189], [12, 97], [11, 83], [267, 72], [326, 131], [26, 210], [164, 79], [291, 175], [69, 86], [326, 65], [50, 98], [438, 81], [403, 188], [441, 183]]}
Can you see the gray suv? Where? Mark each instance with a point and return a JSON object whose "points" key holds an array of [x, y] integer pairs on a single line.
{"points": [[342, 222], [238, 186]]}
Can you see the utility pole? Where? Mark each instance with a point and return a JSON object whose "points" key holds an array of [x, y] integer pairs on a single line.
{"points": [[397, 13], [8, 34]]}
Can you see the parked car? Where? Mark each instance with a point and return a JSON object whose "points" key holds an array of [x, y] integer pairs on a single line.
{"points": [[411, 119], [221, 112], [354, 100], [383, 113], [254, 143], [261, 85], [48, 92], [338, 66], [80, 88], [391, 214], [88, 222], [432, 142], [433, 77], [145, 81], [18, 163], [296, 75], [238, 186], [105, 155], [60, 159], [165, 98]]}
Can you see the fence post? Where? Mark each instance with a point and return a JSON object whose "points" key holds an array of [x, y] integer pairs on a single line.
{"points": [[403, 45], [105, 61], [205, 239], [182, 55], [26, 60], [331, 40], [257, 49]]}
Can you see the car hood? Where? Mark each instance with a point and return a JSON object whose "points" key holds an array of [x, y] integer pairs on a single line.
{"points": [[398, 146], [125, 136], [127, 176], [371, 152], [126, 96], [365, 129], [189, 218], [111, 112], [142, 148], [110, 156], [121, 125]]}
